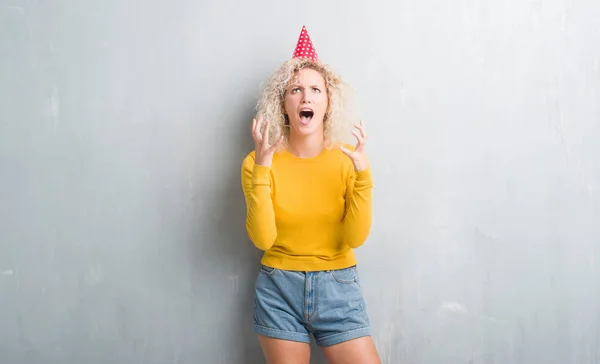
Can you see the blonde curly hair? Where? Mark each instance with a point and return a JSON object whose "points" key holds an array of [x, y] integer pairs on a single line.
{"points": [[337, 120]]}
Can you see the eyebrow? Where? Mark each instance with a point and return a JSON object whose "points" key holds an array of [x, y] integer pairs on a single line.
{"points": [[297, 85]]}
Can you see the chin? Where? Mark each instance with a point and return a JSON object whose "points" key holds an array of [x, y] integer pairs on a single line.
{"points": [[309, 129]]}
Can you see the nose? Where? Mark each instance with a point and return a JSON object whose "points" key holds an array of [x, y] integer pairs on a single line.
{"points": [[305, 99]]}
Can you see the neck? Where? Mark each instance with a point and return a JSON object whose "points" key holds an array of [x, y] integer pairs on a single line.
{"points": [[306, 146]]}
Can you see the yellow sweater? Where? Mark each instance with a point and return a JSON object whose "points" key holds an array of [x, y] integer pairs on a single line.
{"points": [[307, 214]]}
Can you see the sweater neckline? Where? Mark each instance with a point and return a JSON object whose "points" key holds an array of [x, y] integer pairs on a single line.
{"points": [[287, 154]]}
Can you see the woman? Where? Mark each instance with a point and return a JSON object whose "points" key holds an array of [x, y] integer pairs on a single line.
{"points": [[308, 203]]}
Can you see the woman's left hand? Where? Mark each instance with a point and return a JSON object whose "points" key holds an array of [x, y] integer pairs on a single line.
{"points": [[358, 156]]}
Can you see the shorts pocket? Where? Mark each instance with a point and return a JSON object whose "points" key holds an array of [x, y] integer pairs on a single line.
{"points": [[267, 270], [346, 275]]}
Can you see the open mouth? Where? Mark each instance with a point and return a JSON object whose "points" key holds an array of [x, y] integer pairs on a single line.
{"points": [[306, 116]]}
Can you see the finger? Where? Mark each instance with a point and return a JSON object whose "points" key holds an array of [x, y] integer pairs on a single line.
{"points": [[256, 131], [359, 137], [265, 136], [345, 150], [277, 144], [360, 144], [279, 141], [259, 123], [361, 127], [254, 128]]}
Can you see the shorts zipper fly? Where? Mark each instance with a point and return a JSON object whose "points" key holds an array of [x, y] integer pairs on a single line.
{"points": [[309, 297]]}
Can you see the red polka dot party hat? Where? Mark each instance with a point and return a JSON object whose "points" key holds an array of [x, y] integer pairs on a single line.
{"points": [[304, 48]]}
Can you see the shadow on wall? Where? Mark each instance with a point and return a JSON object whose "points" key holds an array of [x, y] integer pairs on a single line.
{"points": [[223, 259], [244, 258], [239, 260], [237, 251]]}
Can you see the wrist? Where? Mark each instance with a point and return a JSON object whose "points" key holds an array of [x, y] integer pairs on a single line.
{"points": [[264, 162], [360, 164]]}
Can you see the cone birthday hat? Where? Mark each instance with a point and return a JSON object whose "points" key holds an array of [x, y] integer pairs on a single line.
{"points": [[304, 47]]}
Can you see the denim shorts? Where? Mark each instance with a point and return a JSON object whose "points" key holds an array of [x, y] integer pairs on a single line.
{"points": [[292, 305]]}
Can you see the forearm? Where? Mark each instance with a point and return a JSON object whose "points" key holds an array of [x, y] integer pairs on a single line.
{"points": [[359, 210], [260, 216]]}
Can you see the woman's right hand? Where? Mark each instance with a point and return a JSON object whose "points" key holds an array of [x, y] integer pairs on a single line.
{"points": [[264, 151]]}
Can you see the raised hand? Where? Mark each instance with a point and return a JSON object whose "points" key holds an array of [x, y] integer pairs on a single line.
{"points": [[358, 155], [264, 151]]}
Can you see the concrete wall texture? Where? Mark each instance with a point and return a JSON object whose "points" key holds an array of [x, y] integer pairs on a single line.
{"points": [[123, 125]]}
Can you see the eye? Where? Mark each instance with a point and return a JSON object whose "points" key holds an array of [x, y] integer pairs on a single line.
{"points": [[316, 89], [295, 89]]}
